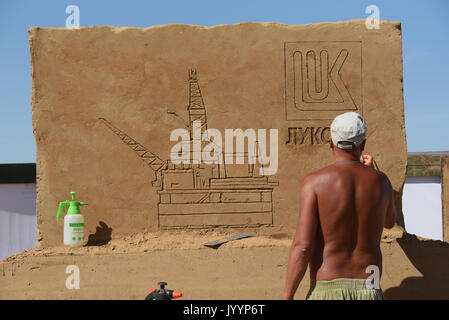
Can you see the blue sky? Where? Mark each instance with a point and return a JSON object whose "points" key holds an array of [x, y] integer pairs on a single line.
{"points": [[425, 30]]}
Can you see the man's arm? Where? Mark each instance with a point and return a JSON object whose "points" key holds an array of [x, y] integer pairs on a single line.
{"points": [[390, 217], [303, 240]]}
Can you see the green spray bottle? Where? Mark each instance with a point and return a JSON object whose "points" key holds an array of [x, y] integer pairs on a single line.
{"points": [[73, 221]]}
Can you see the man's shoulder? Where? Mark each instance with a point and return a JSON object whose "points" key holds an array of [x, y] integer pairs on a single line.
{"points": [[384, 178], [323, 171], [318, 175], [332, 172], [377, 173]]}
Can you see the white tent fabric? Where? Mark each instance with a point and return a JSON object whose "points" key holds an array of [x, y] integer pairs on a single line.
{"points": [[422, 207], [18, 223]]}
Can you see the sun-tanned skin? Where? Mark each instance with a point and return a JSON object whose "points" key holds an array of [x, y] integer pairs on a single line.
{"points": [[343, 210]]}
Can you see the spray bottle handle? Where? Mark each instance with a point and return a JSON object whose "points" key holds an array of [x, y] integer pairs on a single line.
{"points": [[61, 207]]}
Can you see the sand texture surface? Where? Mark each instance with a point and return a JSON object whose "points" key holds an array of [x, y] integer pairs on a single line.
{"points": [[252, 268], [105, 100]]}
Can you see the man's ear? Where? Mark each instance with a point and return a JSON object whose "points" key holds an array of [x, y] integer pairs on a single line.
{"points": [[362, 146]]}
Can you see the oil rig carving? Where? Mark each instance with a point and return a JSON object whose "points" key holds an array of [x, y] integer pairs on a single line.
{"points": [[205, 195]]}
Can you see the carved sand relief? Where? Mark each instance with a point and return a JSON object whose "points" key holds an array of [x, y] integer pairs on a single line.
{"points": [[252, 75], [308, 135], [199, 194]]}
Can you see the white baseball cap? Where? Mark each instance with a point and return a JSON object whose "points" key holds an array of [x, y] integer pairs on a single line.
{"points": [[348, 127]]}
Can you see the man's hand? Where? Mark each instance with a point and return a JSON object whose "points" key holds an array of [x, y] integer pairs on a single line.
{"points": [[367, 160]]}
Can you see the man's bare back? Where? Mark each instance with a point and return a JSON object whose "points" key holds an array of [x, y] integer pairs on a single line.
{"points": [[343, 210], [352, 208]]}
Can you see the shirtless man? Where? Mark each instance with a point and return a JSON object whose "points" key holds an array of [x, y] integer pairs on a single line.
{"points": [[343, 210]]}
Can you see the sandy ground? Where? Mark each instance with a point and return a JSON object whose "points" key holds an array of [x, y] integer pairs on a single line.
{"points": [[252, 268]]}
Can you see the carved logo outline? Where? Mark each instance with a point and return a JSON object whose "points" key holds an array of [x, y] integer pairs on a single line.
{"points": [[322, 79]]}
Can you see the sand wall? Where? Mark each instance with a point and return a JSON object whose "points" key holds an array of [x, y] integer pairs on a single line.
{"points": [[105, 100]]}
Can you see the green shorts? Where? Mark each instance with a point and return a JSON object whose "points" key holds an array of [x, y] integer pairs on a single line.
{"points": [[343, 289]]}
